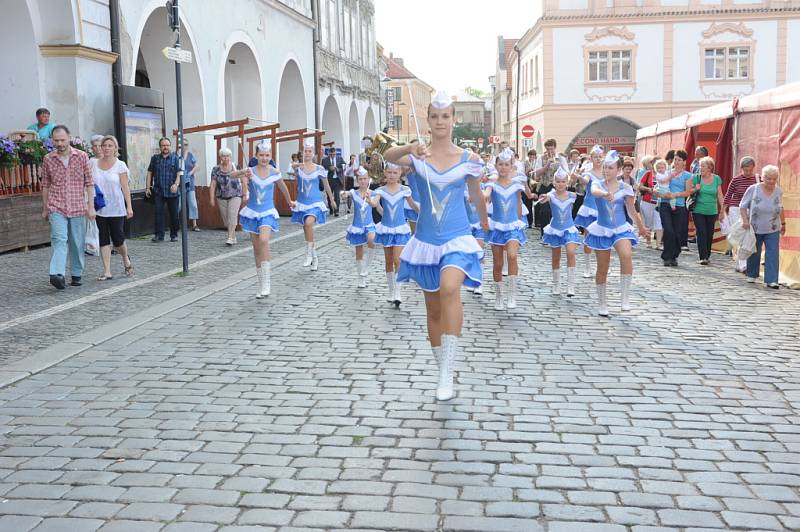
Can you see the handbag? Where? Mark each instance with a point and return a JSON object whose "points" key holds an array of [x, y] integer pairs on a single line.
{"points": [[99, 198], [691, 201]]}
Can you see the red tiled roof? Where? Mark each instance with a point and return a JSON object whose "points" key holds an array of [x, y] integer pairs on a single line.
{"points": [[508, 47], [396, 70]]}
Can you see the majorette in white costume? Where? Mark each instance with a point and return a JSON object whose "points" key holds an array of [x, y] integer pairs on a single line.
{"points": [[309, 209], [588, 211], [361, 231], [561, 231], [442, 255]]}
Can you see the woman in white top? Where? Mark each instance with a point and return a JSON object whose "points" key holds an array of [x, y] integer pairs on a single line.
{"points": [[111, 176]]}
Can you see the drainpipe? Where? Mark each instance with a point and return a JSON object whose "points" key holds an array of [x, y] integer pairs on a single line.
{"points": [[315, 44], [116, 74], [519, 72]]}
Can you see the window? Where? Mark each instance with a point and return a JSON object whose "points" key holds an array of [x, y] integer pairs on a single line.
{"points": [[325, 36], [460, 117], [621, 65], [531, 69], [536, 72], [476, 117], [398, 93], [727, 63], [332, 18], [398, 122], [598, 66]]}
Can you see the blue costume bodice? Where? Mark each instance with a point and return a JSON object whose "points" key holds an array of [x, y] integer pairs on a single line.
{"points": [[589, 200], [412, 184], [262, 191], [308, 191], [447, 188], [611, 215], [561, 210], [362, 210], [472, 210], [392, 204], [505, 201]]}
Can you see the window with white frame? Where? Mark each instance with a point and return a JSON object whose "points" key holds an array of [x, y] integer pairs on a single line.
{"points": [[620, 65], [332, 24], [739, 62], [398, 93], [610, 65], [730, 62], [715, 63], [598, 66]]}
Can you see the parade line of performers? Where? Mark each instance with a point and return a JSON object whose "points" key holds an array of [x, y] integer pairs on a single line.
{"points": [[434, 229]]}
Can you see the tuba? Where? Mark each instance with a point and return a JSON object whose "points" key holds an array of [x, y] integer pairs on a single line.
{"points": [[375, 161]]}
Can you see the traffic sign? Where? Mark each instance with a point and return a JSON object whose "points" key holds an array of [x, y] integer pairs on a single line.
{"points": [[527, 131], [527, 142], [177, 54], [494, 139]]}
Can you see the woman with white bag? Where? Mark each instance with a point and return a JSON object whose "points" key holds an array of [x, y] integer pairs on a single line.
{"points": [[733, 197], [762, 209]]}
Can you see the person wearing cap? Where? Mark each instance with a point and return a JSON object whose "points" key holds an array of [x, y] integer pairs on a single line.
{"points": [[361, 231]]}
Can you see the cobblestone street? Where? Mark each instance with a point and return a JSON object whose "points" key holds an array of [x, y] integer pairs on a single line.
{"points": [[314, 409]]}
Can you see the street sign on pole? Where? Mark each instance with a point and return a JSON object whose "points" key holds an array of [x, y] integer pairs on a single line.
{"points": [[177, 54], [527, 131], [527, 142]]}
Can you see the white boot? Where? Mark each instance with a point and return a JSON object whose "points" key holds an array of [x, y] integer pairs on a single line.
{"points": [[512, 291], [398, 297], [266, 269], [260, 284], [444, 390], [571, 281], [587, 266], [314, 260], [478, 291], [362, 281], [498, 295], [437, 355], [556, 283], [625, 291], [390, 283], [367, 260], [602, 299], [309, 254]]}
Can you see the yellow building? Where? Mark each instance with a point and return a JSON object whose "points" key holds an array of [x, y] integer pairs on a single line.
{"points": [[402, 84]]}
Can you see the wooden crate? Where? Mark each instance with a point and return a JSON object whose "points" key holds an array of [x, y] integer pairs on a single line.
{"points": [[21, 222]]}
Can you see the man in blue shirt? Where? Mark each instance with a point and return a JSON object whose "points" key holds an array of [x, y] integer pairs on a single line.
{"points": [[43, 127], [163, 180]]}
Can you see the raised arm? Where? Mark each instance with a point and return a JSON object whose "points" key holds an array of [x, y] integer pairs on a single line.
{"points": [[477, 199], [285, 191]]}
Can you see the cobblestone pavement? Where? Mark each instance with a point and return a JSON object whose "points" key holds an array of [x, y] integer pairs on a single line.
{"points": [[314, 410], [26, 291]]}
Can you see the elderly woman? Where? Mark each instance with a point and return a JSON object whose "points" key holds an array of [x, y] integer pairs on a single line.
{"points": [[708, 205], [734, 194], [226, 191], [762, 209]]}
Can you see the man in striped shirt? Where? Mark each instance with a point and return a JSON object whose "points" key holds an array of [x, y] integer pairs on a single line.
{"points": [[733, 196]]}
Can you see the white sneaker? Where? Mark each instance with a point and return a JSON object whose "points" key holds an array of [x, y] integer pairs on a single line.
{"points": [[478, 291], [444, 389], [512, 292], [751, 279]]}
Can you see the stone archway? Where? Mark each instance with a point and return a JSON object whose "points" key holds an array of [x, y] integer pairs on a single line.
{"points": [[19, 68], [612, 132], [242, 84], [291, 109], [332, 122], [353, 132], [370, 125]]}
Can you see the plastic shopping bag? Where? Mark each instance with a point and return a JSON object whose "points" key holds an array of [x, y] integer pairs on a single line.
{"points": [[747, 245], [92, 242], [736, 233], [725, 226]]}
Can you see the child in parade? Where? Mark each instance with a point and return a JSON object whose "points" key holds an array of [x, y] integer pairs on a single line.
{"points": [[392, 232], [588, 211], [309, 209], [442, 255], [611, 230], [506, 228], [361, 231], [259, 217], [561, 231]]}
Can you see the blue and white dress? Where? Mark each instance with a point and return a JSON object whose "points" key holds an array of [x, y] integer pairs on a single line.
{"points": [[522, 180], [363, 222], [393, 230], [411, 214], [260, 210], [473, 216], [561, 230], [442, 240], [505, 224], [588, 211], [309, 196], [611, 225]]}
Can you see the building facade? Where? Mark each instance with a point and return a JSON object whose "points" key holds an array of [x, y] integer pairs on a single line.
{"points": [[501, 90], [592, 71], [405, 87]]}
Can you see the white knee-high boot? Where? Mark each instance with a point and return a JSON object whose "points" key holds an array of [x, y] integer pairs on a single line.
{"points": [[498, 295], [390, 283], [259, 284], [625, 291], [367, 261], [602, 299], [556, 282], [314, 259], [570, 281], [309, 254], [398, 297], [587, 265], [444, 390], [362, 281], [266, 269], [437, 355], [512, 291]]}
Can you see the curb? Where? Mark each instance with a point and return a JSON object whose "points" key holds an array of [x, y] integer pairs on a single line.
{"points": [[50, 356]]}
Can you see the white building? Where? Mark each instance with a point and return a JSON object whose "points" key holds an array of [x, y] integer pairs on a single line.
{"points": [[593, 71], [251, 58]]}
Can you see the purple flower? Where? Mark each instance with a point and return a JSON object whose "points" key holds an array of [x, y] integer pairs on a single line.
{"points": [[48, 145]]}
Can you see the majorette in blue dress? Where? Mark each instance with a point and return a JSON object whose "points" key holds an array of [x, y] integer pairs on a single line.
{"points": [[260, 210], [473, 216], [393, 230], [506, 224], [444, 239], [411, 214], [561, 230], [522, 180], [309, 196], [611, 225], [587, 214], [363, 222]]}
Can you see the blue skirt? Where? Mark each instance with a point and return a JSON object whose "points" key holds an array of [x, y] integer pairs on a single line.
{"points": [[478, 233], [254, 225], [299, 217], [501, 238], [584, 221], [411, 215], [359, 239], [597, 242], [555, 241], [428, 276], [390, 240]]}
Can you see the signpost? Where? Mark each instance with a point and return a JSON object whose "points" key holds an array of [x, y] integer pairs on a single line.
{"points": [[177, 54], [494, 139], [528, 142], [527, 131]]}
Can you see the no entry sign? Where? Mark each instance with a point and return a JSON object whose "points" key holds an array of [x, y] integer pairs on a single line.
{"points": [[527, 131]]}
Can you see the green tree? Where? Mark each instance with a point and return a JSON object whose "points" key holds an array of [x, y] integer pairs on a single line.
{"points": [[478, 93]]}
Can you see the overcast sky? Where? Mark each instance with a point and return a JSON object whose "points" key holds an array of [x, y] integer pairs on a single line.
{"points": [[450, 44]]}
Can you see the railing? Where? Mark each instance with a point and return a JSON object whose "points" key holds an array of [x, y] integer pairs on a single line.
{"points": [[19, 180]]}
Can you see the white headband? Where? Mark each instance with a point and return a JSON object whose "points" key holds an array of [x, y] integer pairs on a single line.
{"points": [[308, 142], [264, 146], [596, 149], [441, 100], [390, 166], [506, 155], [561, 173], [612, 157], [361, 170]]}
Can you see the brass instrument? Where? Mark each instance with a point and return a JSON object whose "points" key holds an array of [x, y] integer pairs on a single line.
{"points": [[380, 143]]}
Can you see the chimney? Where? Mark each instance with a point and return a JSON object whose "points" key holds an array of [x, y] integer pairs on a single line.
{"points": [[398, 60]]}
